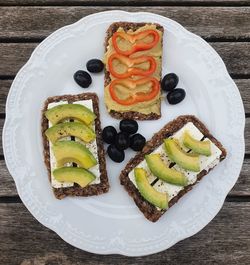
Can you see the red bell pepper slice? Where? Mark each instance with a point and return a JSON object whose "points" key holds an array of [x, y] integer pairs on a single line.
{"points": [[135, 97], [132, 38], [130, 62]]}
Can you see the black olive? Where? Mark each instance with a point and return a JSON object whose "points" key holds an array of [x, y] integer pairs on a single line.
{"points": [[122, 140], [176, 96], [95, 66], [169, 82], [137, 142], [108, 134], [115, 154], [83, 78], [129, 126]]}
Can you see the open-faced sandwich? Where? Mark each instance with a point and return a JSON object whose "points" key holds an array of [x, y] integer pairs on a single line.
{"points": [[170, 164], [133, 63], [73, 149]]}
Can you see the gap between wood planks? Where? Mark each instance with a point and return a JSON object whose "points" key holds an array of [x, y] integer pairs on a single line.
{"points": [[233, 76], [10, 199], [23, 40], [229, 198], [184, 3]]}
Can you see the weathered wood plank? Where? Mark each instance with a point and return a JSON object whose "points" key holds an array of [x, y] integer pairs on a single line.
{"points": [[229, 52], [243, 85], [4, 90], [123, 2], [1, 130], [241, 188], [213, 245], [247, 135], [13, 56], [209, 22], [7, 187], [236, 56]]}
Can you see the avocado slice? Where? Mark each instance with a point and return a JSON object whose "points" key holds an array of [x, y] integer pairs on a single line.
{"points": [[71, 151], [185, 160], [77, 129], [200, 147], [153, 196], [70, 111], [160, 170], [77, 175]]}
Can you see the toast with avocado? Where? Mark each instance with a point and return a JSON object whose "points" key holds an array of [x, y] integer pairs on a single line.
{"points": [[73, 148], [133, 66], [170, 164]]}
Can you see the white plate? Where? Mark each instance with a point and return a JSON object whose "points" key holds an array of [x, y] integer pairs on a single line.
{"points": [[111, 223]]}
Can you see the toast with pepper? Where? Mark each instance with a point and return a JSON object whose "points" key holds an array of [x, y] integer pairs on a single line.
{"points": [[164, 176], [144, 77]]}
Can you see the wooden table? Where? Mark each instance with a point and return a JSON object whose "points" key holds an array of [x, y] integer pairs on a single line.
{"points": [[225, 24]]}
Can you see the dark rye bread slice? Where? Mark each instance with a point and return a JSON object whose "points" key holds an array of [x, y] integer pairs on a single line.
{"points": [[76, 190], [149, 210], [110, 31]]}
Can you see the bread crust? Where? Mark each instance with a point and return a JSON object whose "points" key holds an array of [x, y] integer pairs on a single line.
{"points": [[149, 210], [76, 190], [128, 114]]}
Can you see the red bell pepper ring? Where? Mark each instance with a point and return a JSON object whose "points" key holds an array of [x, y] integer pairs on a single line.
{"points": [[135, 97], [130, 62], [132, 38]]}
